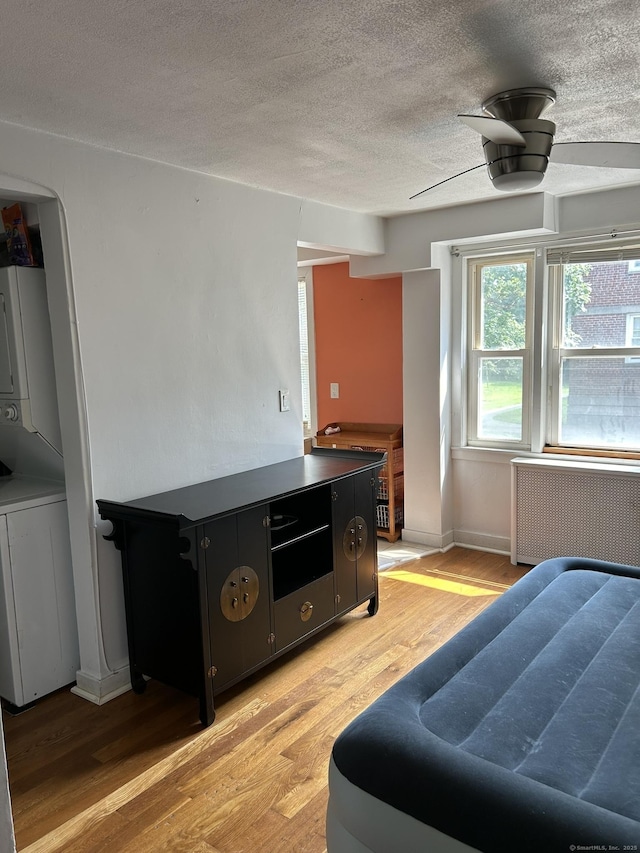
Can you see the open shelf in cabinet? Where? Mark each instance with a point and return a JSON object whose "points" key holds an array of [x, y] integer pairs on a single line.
{"points": [[301, 540], [301, 562], [294, 518]]}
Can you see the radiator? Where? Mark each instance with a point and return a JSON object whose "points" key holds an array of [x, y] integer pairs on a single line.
{"points": [[561, 509]]}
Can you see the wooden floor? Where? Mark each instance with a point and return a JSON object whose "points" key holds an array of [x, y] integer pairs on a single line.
{"points": [[141, 774]]}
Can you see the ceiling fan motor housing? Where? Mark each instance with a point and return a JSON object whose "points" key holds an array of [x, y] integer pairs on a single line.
{"points": [[514, 104], [513, 167]]}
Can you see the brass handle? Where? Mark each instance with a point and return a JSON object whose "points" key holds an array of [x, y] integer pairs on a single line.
{"points": [[236, 605], [306, 610], [354, 538]]}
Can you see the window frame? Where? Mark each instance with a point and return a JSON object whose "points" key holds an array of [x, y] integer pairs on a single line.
{"points": [[305, 280], [630, 330], [541, 427], [558, 354], [476, 354]]}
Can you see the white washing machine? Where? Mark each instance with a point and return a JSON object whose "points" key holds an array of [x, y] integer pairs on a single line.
{"points": [[38, 631]]}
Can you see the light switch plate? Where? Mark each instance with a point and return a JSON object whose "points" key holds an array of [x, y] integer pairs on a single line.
{"points": [[284, 400], [334, 390]]}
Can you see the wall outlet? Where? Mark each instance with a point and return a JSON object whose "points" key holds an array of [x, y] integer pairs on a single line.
{"points": [[284, 400], [334, 390]]}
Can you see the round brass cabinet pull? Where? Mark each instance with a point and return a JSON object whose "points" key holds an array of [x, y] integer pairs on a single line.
{"points": [[354, 540], [236, 607], [306, 610]]}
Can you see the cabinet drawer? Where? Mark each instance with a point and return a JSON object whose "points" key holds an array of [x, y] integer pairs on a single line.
{"points": [[303, 611]]}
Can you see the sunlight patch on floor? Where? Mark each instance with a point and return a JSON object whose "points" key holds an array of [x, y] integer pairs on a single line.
{"points": [[394, 553], [443, 584]]}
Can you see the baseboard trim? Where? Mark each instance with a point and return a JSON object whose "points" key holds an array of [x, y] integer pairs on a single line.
{"points": [[432, 540], [483, 542]]}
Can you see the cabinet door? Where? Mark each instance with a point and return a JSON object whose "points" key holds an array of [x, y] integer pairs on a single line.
{"points": [[366, 542], [238, 594], [343, 552], [354, 539]]}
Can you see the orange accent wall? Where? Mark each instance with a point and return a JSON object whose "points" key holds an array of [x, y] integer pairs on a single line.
{"points": [[358, 341]]}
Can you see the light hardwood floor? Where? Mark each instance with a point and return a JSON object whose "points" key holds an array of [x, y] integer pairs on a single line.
{"points": [[141, 774]]}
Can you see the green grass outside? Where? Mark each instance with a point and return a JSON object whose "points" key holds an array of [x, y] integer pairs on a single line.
{"points": [[503, 395]]}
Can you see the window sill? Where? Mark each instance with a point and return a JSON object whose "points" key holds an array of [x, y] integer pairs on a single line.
{"points": [[487, 454], [501, 456], [608, 455]]}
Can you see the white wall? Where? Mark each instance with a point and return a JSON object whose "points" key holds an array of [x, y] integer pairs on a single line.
{"points": [[179, 294], [409, 239], [185, 306], [482, 499], [426, 320]]}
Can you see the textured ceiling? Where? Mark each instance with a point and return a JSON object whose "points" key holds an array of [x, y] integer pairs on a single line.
{"points": [[349, 102]]}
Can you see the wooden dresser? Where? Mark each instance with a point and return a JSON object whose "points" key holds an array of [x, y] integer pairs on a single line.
{"points": [[381, 438]]}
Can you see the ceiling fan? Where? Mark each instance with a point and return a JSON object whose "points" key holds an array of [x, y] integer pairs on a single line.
{"points": [[518, 144]]}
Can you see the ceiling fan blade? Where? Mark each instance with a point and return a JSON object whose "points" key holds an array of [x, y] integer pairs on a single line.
{"points": [[498, 131], [439, 184], [611, 155]]}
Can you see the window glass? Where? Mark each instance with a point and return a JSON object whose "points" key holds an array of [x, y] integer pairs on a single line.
{"points": [[500, 399], [304, 355], [503, 303], [499, 352], [633, 330], [600, 402], [598, 301]]}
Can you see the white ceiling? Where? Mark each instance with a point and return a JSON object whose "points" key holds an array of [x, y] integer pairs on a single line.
{"points": [[348, 102]]}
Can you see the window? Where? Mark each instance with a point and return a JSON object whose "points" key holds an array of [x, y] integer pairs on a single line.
{"points": [[633, 330], [304, 355], [595, 372], [500, 351], [587, 341]]}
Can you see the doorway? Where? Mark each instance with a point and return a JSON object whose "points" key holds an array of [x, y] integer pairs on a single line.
{"points": [[43, 209]]}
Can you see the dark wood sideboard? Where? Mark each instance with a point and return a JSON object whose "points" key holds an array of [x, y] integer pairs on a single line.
{"points": [[222, 577]]}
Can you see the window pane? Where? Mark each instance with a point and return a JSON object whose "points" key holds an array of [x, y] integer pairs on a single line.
{"points": [[600, 402], [633, 330], [600, 300], [304, 354], [500, 399], [503, 306]]}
